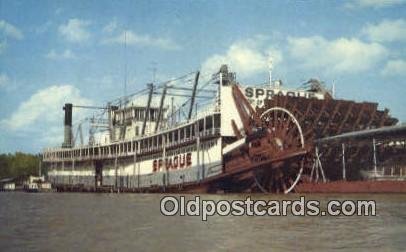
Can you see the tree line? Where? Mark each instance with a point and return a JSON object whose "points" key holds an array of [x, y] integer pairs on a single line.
{"points": [[18, 164]]}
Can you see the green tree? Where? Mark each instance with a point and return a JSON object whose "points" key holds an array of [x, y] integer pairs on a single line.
{"points": [[17, 164]]}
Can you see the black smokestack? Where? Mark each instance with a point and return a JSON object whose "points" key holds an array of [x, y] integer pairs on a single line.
{"points": [[68, 126]]}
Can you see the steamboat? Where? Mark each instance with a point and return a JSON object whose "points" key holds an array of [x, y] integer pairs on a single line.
{"points": [[246, 139]]}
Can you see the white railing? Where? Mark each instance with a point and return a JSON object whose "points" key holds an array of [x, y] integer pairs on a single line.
{"points": [[113, 150]]}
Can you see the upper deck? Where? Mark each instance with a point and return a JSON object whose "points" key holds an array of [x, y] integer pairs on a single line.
{"points": [[205, 127]]}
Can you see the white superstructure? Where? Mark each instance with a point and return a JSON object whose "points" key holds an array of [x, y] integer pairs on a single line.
{"points": [[144, 147]]}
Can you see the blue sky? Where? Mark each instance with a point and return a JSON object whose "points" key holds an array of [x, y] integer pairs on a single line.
{"points": [[52, 52]]}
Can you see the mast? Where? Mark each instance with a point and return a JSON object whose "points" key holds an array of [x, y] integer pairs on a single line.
{"points": [[172, 113], [151, 89], [270, 66], [110, 120], [192, 101], [160, 108], [125, 69]]}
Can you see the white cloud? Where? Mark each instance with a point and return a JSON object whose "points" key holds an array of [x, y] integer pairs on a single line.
{"points": [[75, 30], [4, 80], [394, 67], [387, 31], [376, 4], [43, 110], [110, 27], [337, 56], [40, 117], [246, 57], [132, 38], [10, 30], [67, 54]]}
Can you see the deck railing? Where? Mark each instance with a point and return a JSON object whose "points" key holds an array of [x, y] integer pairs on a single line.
{"points": [[118, 149]]}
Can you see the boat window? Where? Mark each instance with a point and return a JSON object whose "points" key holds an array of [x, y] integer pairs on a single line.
{"points": [[187, 132], [170, 137], [182, 133], [141, 114], [192, 127], [201, 125], [152, 115], [209, 122], [176, 135], [217, 121]]}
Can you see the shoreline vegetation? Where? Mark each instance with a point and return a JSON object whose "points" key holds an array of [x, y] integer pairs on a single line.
{"points": [[18, 164]]}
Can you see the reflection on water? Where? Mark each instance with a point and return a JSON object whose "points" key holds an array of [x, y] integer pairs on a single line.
{"points": [[133, 222]]}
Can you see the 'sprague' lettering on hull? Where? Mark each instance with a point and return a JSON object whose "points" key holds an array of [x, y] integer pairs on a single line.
{"points": [[173, 163], [256, 96]]}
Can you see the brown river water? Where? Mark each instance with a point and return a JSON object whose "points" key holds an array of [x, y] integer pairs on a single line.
{"points": [[133, 222]]}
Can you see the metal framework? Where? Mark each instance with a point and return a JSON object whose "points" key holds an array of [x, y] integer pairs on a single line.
{"points": [[321, 119], [144, 124]]}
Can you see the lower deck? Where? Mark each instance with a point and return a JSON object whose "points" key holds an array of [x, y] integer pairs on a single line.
{"points": [[187, 165]]}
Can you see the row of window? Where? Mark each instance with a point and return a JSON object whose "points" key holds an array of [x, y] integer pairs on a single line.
{"points": [[184, 134], [134, 113], [110, 163]]}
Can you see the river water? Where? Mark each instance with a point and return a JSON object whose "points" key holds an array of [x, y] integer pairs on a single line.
{"points": [[133, 222]]}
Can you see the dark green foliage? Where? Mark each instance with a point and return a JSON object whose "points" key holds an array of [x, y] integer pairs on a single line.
{"points": [[18, 164]]}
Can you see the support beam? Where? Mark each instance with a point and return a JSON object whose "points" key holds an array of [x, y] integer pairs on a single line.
{"points": [[191, 89], [317, 167], [184, 95], [197, 149], [115, 171], [172, 113], [151, 90], [110, 121], [321, 167], [160, 109], [192, 100], [343, 157], [88, 107], [375, 165]]}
